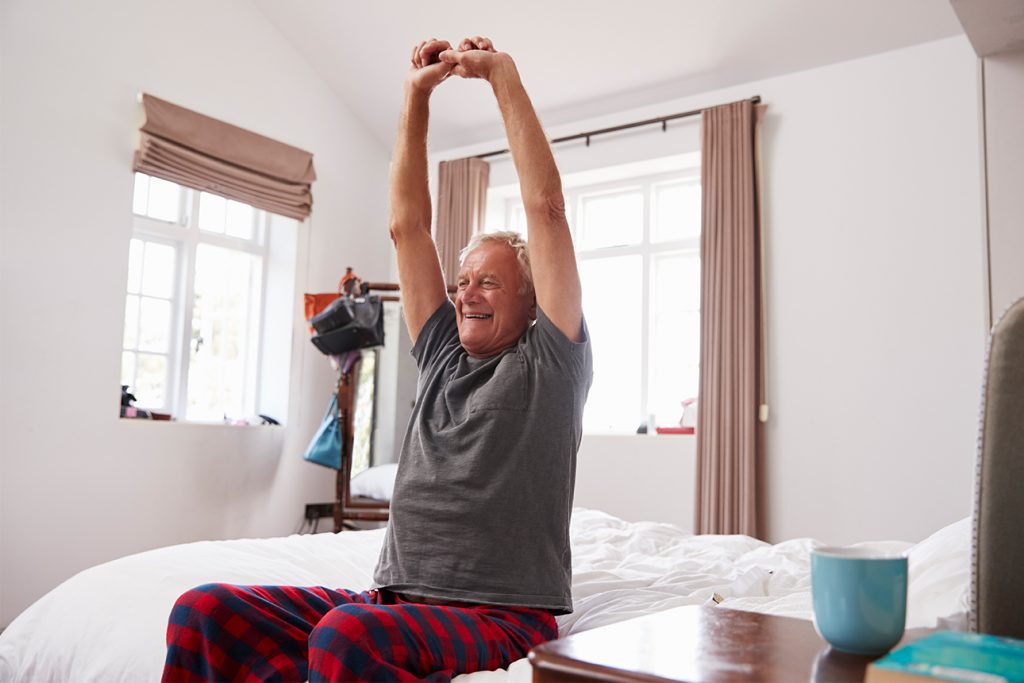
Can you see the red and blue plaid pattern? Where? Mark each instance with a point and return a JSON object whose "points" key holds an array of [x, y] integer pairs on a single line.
{"points": [[284, 633]]}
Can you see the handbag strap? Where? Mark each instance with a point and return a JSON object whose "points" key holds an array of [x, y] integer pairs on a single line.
{"points": [[343, 395], [332, 406], [348, 359]]}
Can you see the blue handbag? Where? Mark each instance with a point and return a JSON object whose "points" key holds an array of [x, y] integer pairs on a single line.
{"points": [[325, 448]]}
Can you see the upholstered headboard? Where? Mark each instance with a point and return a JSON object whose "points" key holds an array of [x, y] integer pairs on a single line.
{"points": [[997, 562]]}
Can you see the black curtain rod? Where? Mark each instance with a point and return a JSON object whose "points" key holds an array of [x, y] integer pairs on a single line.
{"points": [[663, 120]]}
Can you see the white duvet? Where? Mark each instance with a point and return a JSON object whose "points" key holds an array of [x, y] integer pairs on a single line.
{"points": [[107, 623]]}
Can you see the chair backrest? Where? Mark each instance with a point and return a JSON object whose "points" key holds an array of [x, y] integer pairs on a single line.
{"points": [[997, 552]]}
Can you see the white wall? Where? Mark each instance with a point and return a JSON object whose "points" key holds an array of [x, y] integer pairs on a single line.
{"points": [[876, 295], [1004, 105], [638, 477], [875, 292], [79, 486]]}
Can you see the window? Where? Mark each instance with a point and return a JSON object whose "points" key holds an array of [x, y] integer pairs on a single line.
{"points": [[638, 251], [196, 314]]}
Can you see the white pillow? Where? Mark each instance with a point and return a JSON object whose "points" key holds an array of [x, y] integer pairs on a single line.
{"points": [[375, 482]]}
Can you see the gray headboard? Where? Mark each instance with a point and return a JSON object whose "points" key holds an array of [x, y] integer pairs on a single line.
{"points": [[997, 562]]}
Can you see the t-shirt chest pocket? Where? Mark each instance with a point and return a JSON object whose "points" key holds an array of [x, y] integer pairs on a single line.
{"points": [[505, 389]]}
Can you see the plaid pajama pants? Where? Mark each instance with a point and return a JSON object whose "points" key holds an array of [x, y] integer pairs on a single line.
{"points": [[221, 632]]}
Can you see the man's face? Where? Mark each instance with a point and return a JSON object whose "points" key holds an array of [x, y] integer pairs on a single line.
{"points": [[490, 312]]}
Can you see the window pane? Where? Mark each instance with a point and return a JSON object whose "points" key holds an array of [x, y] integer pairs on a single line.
{"points": [[517, 220], [135, 265], [131, 322], [676, 285], [239, 220], [128, 369], [611, 220], [151, 381], [158, 270], [164, 200], [674, 362], [675, 335], [141, 194], [211, 212], [677, 211], [154, 324], [613, 316], [223, 326]]}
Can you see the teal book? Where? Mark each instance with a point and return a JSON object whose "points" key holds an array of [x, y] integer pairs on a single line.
{"points": [[952, 656]]}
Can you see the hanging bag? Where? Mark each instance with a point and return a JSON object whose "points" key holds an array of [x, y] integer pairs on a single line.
{"points": [[316, 303], [349, 324], [325, 448], [338, 313]]}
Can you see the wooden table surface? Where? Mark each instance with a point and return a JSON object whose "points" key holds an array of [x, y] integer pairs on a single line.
{"points": [[699, 644]]}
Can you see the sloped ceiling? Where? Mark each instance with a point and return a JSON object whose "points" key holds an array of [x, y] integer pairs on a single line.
{"points": [[581, 59], [993, 26]]}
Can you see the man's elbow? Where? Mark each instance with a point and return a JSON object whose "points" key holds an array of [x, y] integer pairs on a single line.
{"points": [[399, 229], [549, 206]]}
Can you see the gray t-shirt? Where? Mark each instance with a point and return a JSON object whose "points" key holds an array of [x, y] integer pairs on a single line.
{"points": [[483, 494]]}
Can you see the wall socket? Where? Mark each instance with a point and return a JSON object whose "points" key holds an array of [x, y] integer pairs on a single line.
{"points": [[315, 511]]}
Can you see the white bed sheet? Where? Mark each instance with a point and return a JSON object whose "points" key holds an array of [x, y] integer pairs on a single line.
{"points": [[108, 623]]}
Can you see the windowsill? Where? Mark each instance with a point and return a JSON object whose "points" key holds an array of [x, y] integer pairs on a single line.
{"points": [[194, 423], [630, 435]]}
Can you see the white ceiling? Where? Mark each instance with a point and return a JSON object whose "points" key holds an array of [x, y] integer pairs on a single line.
{"points": [[582, 58]]}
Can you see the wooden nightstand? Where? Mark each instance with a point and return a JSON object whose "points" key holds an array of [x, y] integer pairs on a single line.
{"points": [[699, 644]]}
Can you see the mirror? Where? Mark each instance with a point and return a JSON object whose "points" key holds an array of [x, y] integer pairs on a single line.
{"points": [[362, 422]]}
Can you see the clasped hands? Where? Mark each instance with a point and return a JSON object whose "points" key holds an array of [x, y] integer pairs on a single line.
{"points": [[435, 60]]}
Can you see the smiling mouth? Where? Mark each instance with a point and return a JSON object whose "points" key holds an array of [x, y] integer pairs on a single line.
{"points": [[476, 316]]}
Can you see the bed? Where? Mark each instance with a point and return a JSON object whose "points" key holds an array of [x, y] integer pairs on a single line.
{"points": [[107, 623]]}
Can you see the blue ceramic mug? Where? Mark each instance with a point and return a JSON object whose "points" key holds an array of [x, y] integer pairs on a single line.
{"points": [[860, 598]]}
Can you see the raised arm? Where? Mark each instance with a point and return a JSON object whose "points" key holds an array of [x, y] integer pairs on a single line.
{"points": [[552, 256], [419, 270]]}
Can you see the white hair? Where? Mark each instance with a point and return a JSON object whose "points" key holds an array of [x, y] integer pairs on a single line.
{"points": [[516, 242]]}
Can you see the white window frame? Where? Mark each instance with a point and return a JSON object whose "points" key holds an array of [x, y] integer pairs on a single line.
{"points": [[172, 351], [646, 248], [184, 233]]}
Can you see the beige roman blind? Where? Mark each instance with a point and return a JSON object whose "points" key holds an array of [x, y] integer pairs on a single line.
{"points": [[200, 152]]}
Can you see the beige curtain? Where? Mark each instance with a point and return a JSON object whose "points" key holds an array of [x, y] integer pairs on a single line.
{"points": [[200, 152], [729, 445], [461, 202]]}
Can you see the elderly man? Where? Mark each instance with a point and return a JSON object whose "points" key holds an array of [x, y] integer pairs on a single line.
{"points": [[476, 562]]}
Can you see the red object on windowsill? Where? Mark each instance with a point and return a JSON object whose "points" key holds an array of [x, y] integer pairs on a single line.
{"points": [[674, 430]]}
